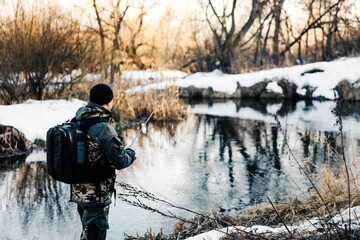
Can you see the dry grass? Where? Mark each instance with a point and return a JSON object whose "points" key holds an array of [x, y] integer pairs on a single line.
{"points": [[132, 107], [333, 189]]}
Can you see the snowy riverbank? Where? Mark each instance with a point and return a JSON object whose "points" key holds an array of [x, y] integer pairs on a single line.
{"points": [[325, 78], [34, 118], [311, 226]]}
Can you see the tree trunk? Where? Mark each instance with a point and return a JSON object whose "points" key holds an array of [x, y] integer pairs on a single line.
{"points": [[277, 17], [299, 53], [102, 41], [120, 16]]}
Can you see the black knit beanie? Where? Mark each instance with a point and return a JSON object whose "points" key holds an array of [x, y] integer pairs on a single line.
{"points": [[101, 94]]}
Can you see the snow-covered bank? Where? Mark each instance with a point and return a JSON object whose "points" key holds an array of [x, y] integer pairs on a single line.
{"points": [[136, 77], [34, 118], [330, 74], [145, 77], [312, 225]]}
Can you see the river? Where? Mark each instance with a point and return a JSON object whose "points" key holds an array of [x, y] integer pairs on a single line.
{"points": [[226, 155]]}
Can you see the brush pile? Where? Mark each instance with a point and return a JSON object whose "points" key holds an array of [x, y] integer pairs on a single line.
{"points": [[12, 141]]}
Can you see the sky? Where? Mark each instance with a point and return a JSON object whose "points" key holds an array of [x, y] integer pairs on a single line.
{"points": [[181, 8], [86, 6]]}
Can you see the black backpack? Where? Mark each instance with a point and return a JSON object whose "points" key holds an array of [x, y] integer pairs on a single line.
{"points": [[67, 153]]}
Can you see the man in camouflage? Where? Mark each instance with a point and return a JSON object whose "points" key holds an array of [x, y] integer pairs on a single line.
{"points": [[106, 150]]}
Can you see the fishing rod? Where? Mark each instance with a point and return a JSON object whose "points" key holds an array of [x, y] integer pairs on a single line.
{"points": [[147, 120]]}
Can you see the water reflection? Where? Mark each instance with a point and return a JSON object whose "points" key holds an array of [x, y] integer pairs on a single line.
{"points": [[205, 162], [32, 204], [8, 163], [283, 107], [257, 149]]}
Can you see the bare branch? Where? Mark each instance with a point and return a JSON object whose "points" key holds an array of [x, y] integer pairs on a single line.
{"points": [[312, 25], [255, 9], [222, 23]]}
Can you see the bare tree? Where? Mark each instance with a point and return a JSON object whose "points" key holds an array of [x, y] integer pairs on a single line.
{"points": [[124, 31], [35, 50], [278, 5], [136, 41], [117, 16], [308, 27], [227, 33], [102, 39]]}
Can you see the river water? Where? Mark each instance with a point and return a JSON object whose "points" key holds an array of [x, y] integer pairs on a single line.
{"points": [[226, 155]]}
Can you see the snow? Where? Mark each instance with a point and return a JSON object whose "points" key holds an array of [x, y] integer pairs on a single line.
{"points": [[152, 75], [134, 77], [155, 86], [34, 118], [36, 156], [333, 72], [341, 220]]}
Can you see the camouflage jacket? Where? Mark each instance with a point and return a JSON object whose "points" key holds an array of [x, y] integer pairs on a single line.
{"points": [[106, 147]]}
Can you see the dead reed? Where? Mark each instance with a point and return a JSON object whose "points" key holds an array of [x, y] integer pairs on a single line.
{"points": [[132, 107], [332, 186], [140, 105]]}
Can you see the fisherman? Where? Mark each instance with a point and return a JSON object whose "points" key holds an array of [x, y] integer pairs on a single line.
{"points": [[94, 198]]}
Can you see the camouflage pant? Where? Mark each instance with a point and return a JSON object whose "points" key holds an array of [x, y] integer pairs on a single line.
{"points": [[94, 221]]}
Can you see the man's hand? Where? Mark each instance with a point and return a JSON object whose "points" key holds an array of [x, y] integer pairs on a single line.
{"points": [[131, 153]]}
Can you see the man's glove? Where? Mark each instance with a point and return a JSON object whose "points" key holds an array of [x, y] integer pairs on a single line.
{"points": [[131, 153]]}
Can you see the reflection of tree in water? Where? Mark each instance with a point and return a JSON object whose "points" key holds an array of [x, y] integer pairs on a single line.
{"points": [[351, 109], [315, 148], [168, 129], [287, 106], [264, 164], [262, 149], [233, 133], [11, 162], [34, 192], [258, 105], [226, 129]]}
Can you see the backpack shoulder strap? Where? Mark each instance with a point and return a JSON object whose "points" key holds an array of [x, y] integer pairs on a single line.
{"points": [[87, 123]]}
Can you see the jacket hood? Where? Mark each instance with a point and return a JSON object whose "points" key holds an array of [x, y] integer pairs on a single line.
{"points": [[92, 110]]}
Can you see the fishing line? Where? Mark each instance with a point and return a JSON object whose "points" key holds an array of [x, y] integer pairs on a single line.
{"points": [[147, 120]]}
